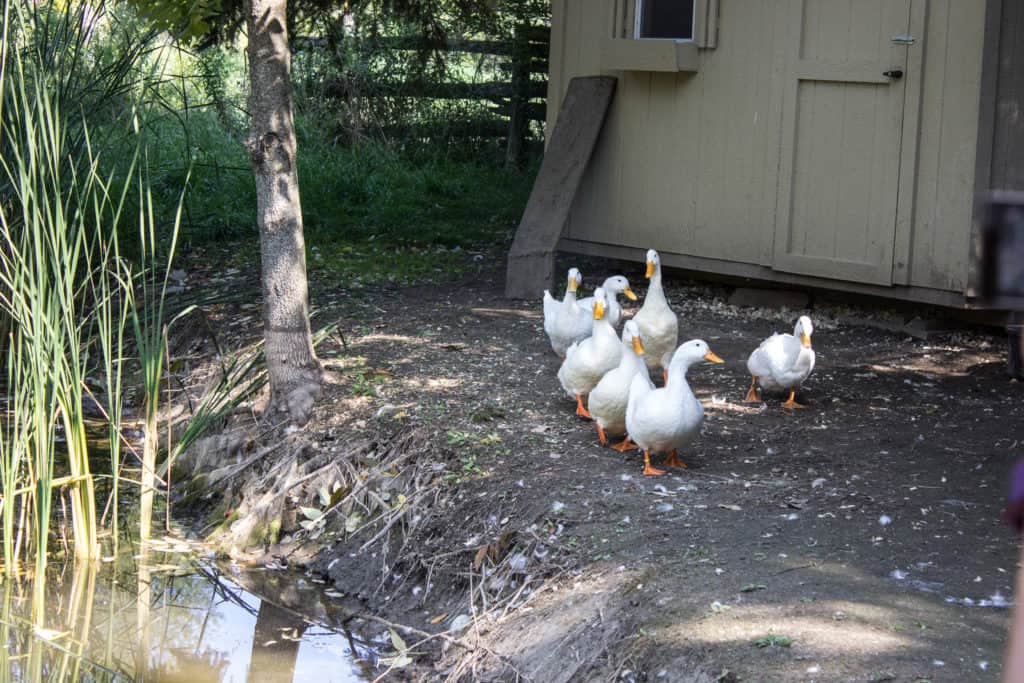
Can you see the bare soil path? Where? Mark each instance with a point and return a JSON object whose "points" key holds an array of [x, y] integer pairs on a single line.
{"points": [[856, 540]]}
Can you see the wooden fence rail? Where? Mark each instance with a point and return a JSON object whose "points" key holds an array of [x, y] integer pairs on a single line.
{"points": [[518, 100]]}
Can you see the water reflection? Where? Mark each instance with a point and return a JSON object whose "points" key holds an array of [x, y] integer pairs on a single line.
{"points": [[161, 616]]}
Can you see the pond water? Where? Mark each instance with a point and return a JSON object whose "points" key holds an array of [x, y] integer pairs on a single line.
{"points": [[169, 615]]}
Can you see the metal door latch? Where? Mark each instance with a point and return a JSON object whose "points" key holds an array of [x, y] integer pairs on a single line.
{"points": [[894, 74], [903, 39]]}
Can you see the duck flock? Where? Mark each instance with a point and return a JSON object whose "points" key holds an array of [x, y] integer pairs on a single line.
{"points": [[610, 375]]}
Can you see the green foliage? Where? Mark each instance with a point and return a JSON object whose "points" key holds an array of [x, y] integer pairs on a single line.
{"points": [[427, 199], [365, 384], [70, 192], [375, 74], [90, 59], [460, 438], [372, 213], [398, 208], [773, 640], [189, 20]]}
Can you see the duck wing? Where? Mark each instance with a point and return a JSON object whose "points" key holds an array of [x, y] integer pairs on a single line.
{"points": [[639, 388], [573, 349], [776, 354], [583, 319], [551, 306]]}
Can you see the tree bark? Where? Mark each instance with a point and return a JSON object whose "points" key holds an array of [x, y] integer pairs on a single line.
{"points": [[275, 644], [293, 369]]}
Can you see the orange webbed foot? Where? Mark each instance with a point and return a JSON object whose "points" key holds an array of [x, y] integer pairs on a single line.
{"points": [[648, 470], [673, 460], [753, 395], [625, 445], [601, 435], [791, 401]]}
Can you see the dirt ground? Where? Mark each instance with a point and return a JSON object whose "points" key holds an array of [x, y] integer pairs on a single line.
{"points": [[856, 540]]}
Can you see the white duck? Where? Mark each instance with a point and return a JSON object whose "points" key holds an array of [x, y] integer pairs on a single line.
{"points": [[607, 401], [782, 361], [564, 321], [668, 418], [587, 361], [613, 286], [659, 327]]}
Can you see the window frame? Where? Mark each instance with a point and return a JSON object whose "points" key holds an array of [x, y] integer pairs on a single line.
{"points": [[623, 50], [638, 14]]}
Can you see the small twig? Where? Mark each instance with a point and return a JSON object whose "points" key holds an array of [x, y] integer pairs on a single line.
{"points": [[394, 519], [443, 635], [120, 433], [410, 649], [793, 569], [30, 631], [512, 601], [234, 471]]}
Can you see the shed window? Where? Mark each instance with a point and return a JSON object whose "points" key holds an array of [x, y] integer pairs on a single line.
{"points": [[672, 19]]}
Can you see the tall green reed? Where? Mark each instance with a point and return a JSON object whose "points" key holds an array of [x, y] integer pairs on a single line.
{"points": [[40, 259], [112, 303], [147, 312], [65, 293]]}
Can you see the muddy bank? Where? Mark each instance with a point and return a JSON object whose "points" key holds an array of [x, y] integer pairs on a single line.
{"points": [[446, 485]]}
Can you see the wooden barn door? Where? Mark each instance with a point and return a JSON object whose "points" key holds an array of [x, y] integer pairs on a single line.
{"points": [[842, 133]]}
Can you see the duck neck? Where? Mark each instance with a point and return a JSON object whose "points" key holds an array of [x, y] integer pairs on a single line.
{"points": [[603, 328], [570, 297], [630, 360], [803, 361], [655, 292], [677, 385]]}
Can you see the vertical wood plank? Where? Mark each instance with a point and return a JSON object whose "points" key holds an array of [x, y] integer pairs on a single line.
{"points": [[909, 152], [940, 245], [557, 66], [531, 258]]}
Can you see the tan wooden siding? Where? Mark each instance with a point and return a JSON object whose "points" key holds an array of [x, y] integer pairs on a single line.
{"points": [[940, 245], [676, 169], [689, 163], [841, 139]]}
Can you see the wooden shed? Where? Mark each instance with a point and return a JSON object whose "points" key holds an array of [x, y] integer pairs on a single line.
{"points": [[830, 143]]}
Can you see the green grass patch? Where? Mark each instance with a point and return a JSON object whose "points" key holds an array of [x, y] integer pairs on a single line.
{"points": [[370, 198], [378, 262], [772, 640]]}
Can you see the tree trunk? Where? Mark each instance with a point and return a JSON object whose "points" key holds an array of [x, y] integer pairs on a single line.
{"points": [[292, 366], [275, 644]]}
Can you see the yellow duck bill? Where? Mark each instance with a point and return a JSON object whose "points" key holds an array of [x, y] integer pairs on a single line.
{"points": [[650, 269], [630, 294], [713, 357], [805, 339], [598, 310], [638, 346]]}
